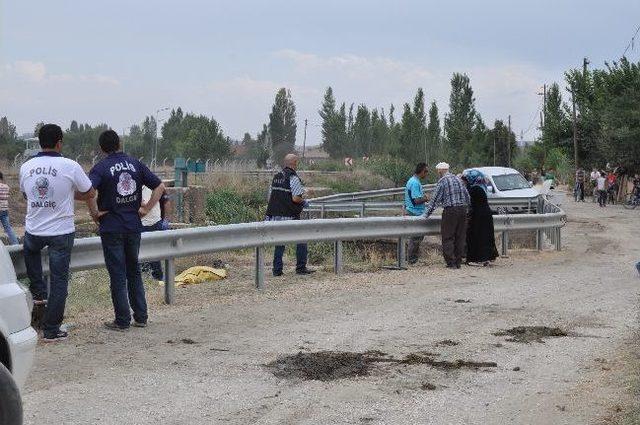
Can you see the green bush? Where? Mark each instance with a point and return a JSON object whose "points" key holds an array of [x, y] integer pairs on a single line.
{"points": [[225, 206], [396, 170]]}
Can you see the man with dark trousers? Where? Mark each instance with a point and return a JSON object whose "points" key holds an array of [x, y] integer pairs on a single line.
{"points": [[451, 194], [414, 204], [119, 180], [50, 184], [286, 203]]}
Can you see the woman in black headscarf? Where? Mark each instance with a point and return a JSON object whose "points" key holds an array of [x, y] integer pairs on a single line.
{"points": [[481, 243]]}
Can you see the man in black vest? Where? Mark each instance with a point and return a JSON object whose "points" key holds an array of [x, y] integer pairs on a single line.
{"points": [[286, 203]]}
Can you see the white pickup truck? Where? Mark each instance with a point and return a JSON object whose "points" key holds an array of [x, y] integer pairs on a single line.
{"points": [[17, 340]]}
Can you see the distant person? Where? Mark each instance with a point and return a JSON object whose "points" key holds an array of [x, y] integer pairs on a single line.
{"points": [[452, 195], [601, 185], [414, 205], [638, 267], [580, 179], [152, 222], [481, 243], [4, 212], [612, 187], [594, 183], [286, 202], [50, 183], [119, 180]]}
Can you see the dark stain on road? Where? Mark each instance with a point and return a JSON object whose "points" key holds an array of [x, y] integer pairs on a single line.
{"points": [[332, 365], [528, 334]]}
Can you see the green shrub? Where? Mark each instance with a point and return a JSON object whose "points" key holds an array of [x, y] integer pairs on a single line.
{"points": [[225, 206], [395, 169]]}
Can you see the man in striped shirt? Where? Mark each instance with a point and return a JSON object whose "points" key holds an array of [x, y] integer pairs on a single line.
{"points": [[452, 195], [4, 212]]}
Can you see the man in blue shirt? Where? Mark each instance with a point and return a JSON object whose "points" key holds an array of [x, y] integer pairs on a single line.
{"points": [[119, 180], [414, 201]]}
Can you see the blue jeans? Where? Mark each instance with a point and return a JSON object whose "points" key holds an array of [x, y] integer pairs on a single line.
{"points": [[155, 266], [59, 258], [4, 219], [127, 291], [301, 250], [301, 257]]}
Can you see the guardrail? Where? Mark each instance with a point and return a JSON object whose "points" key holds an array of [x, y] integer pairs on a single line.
{"points": [[529, 205], [368, 194], [171, 244]]}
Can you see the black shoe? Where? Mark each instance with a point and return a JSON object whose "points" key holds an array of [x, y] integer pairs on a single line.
{"points": [[276, 274], [58, 336], [139, 324], [115, 327], [305, 271], [412, 261], [457, 265], [451, 266]]}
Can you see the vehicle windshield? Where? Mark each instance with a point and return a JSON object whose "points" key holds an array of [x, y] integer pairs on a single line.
{"points": [[510, 182]]}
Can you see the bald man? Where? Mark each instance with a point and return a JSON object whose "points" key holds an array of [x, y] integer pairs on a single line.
{"points": [[286, 203]]}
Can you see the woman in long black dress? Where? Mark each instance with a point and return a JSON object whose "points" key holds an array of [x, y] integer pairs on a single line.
{"points": [[481, 244]]}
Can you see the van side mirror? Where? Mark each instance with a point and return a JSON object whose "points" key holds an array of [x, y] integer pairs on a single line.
{"points": [[491, 189]]}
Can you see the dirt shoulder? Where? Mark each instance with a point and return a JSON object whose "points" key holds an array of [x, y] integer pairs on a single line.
{"points": [[204, 360]]}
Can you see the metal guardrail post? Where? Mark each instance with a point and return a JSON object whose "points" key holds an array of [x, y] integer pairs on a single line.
{"points": [[402, 253], [558, 231], [337, 257], [322, 211], [259, 267], [169, 281], [362, 209], [539, 239], [505, 243]]}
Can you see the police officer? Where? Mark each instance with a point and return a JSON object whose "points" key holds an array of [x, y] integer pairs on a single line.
{"points": [[119, 180], [286, 203]]}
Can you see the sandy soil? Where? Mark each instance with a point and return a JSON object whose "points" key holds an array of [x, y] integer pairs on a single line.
{"points": [[202, 360]]}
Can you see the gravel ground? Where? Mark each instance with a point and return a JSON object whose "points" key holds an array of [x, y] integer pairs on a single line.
{"points": [[202, 361]]}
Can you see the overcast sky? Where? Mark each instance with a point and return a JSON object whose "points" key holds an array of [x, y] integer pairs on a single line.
{"points": [[120, 60]]}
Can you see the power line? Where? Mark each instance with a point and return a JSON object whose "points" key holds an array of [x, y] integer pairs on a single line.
{"points": [[631, 44], [533, 121]]}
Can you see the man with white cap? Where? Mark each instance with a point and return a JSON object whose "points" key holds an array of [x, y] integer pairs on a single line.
{"points": [[452, 195]]}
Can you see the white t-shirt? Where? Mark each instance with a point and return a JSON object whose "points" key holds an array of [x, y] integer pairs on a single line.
{"points": [[154, 215], [49, 182], [601, 182]]}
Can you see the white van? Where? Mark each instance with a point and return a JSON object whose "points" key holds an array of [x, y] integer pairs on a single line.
{"points": [[17, 340]]}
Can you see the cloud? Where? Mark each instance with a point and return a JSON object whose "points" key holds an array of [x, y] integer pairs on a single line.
{"points": [[31, 71], [247, 86], [36, 72]]}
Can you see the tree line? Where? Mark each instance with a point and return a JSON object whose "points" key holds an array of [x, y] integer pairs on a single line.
{"points": [[464, 140], [607, 120]]}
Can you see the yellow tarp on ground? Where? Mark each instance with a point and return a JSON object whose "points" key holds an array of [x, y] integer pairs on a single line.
{"points": [[199, 274]]}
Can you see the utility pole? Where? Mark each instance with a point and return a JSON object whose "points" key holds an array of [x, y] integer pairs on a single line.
{"points": [[575, 130], [304, 141], [544, 105], [509, 144]]}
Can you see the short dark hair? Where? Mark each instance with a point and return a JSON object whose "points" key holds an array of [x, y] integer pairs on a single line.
{"points": [[49, 135], [420, 167], [109, 141]]}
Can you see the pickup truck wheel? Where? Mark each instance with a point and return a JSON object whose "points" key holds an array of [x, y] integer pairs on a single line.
{"points": [[10, 402]]}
